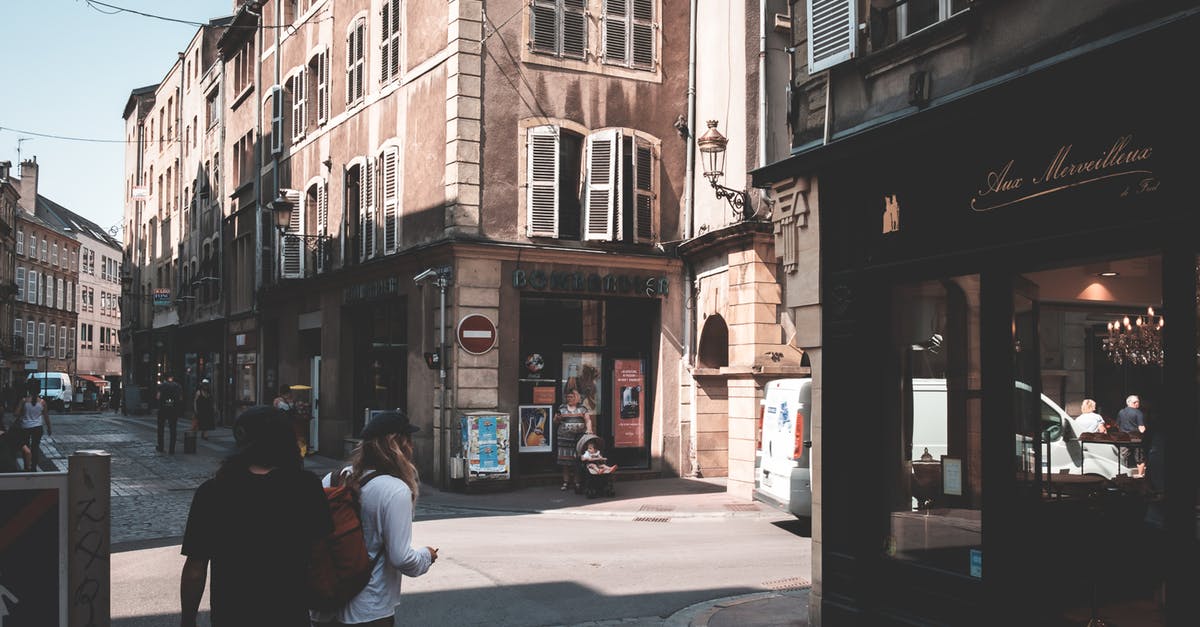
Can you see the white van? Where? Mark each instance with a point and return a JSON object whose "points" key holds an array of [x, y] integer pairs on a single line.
{"points": [[785, 459], [1062, 450], [56, 389]]}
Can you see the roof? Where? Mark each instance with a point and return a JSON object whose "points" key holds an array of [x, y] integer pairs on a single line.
{"points": [[136, 95], [63, 219]]}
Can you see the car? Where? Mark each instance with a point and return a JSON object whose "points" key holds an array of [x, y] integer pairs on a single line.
{"points": [[56, 388]]}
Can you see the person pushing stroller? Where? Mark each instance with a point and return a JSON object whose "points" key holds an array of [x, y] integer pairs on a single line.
{"points": [[594, 467]]}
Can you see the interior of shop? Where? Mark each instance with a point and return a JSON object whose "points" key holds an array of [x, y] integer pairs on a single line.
{"points": [[1091, 484]]}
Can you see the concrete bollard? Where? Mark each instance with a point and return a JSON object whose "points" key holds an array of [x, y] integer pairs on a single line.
{"points": [[89, 474]]}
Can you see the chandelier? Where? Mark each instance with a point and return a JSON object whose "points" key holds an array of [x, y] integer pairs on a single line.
{"points": [[1137, 342]]}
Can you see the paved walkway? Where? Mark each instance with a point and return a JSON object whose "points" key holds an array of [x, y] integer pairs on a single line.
{"points": [[152, 491]]}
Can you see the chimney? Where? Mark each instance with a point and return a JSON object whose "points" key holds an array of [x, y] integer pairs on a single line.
{"points": [[5, 166], [29, 185]]}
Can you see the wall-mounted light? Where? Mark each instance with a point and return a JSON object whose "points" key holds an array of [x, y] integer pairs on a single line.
{"points": [[1108, 274], [282, 208], [712, 147]]}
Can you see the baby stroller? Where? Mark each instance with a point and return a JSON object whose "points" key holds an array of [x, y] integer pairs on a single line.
{"points": [[594, 484]]}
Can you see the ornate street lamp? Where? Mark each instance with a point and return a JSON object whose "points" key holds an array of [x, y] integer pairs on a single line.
{"points": [[712, 146]]}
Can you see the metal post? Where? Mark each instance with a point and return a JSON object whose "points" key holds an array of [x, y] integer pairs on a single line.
{"points": [[443, 468], [88, 539]]}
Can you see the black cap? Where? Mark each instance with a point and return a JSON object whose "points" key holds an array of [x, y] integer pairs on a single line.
{"points": [[256, 422], [388, 422]]}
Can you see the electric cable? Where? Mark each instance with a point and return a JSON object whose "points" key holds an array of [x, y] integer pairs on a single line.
{"points": [[94, 4], [68, 138]]}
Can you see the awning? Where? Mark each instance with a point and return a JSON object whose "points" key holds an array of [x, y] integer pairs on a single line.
{"points": [[88, 377]]}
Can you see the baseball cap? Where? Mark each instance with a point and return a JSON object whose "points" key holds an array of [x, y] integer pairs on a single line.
{"points": [[388, 422]]}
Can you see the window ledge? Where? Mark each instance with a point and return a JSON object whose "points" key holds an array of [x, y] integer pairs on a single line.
{"points": [[241, 97], [922, 43]]}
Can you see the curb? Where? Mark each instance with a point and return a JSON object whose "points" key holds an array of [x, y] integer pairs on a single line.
{"points": [[699, 614]]}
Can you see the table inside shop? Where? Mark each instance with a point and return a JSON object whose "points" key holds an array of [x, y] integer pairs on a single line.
{"points": [[1116, 439]]}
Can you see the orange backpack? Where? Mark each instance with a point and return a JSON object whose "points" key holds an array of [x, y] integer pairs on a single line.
{"points": [[340, 566]]}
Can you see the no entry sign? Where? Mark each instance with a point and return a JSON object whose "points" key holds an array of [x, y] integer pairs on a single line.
{"points": [[476, 334]]}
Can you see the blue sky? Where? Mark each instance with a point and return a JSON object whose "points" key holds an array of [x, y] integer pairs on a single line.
{"points": [[68, 70]]}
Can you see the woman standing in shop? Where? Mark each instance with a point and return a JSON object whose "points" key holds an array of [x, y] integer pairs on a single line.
{"points": [[203, 419], [571, 422]]}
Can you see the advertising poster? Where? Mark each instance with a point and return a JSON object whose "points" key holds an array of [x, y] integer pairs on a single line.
{"points": [[31, 553], [535, 428], [628, 399], [485, 445], [581, 372]]}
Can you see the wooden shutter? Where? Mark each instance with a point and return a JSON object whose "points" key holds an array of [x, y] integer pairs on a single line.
{"points": [[643, 27], [543, 26], [601, 198], [322, 222], [32, 286], [368, 230], [645, 168], [30, 337], [390, 183], [276, 119], [323, 87], [360, 58], [832, 33], [385, 42], [350, 63], [616, 31], [395, 35], [542, 181], [291, 249], [20, 284], [574, 29]]}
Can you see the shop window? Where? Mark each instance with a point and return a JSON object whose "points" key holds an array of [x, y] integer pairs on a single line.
{"points": [[714, 343], [618, 197], [933, 425], [381, 356]]}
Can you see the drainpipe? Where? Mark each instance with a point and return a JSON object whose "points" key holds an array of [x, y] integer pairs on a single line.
{"points": [[762, 83], [689, 177], [444, 447]]}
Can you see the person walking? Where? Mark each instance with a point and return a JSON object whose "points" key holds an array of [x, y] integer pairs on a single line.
{"points": [[170, 406], [205, 410], [385, 459], [1131, 420], [250, 528], [33, 417]]}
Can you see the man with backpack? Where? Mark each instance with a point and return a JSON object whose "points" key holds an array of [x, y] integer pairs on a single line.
{"points": [[170, 406]]}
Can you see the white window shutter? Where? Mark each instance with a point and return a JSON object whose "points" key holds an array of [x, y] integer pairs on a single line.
{"points": [[20, 284], [350, 36], [645, 169], [542, 181], [322, 222], [291, 249], [58, 297], [32, 286], [364, 192], [360, 58], [395, 36], [642, 55], [543, 26], [616, 31], [276, 119], [30, 337], [390, 183], [322, 87], [368, 232], [385, 46], [574, 29], [832, 33], [601, 197]]}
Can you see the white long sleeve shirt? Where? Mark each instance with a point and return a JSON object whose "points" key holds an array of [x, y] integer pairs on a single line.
{"points": [[387, 513]]}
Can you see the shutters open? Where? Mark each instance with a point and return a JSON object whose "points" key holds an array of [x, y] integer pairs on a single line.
{"points": [[645, 172], [322, 225], [832, 33], [323, 87], [542, 181], [368, 211], [394, 59], [389, 182], [276, 119], [385, 42], [543, 26], [601, 187], [574, 29], [350, 63], [291, 249], [616, 31], [299, 111]]}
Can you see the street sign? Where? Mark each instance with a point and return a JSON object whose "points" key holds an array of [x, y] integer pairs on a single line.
{"points": [[476, 334]]}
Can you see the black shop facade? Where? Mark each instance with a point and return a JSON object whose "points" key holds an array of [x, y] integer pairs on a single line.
{"points": [[987, 267]]}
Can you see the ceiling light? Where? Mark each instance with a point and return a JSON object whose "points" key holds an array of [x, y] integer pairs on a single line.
{"points": [[1108, 274]]}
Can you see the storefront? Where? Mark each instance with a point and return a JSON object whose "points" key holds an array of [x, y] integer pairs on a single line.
{"points": [[988, 265]]}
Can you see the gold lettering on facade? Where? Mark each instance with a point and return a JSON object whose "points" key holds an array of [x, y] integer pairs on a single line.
{"points": [[1061, 173]]}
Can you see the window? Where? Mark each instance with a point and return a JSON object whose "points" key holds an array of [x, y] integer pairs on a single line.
{"points": [[54, 254], [45, 251], [18, 335], [20, 241], [52, 340], [70, 296], [318, 70], [213, 109], [62, 343], [72, 343], [915, 15], [296, 93], [20, 284], [60, 297], [291, 249], [41, 342], [559, 28], [33, 246], [30, 338], [629, 33], [620, 182], [389, 41], [355, 60], [49, 281], [32, 287], [366, 214]]}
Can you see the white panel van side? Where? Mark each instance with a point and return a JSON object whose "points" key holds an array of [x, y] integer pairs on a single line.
{"points": [[784, 471]]}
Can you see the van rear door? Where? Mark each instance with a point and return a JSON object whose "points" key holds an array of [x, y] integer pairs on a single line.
{"points": [[784, 470]]}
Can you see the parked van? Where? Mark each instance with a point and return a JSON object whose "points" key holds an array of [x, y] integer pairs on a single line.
{"points": [[56, 389], [1062, 451], [785, 457]]}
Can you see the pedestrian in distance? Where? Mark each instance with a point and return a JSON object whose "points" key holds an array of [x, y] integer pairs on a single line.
{"points": [[204, 410], [385, 456], [170, 407], [250, 530], [33, 416], [1089, 421], [1131, 420]]}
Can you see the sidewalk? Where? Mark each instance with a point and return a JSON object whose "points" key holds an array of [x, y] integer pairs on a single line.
{"points": [[652, 500]]}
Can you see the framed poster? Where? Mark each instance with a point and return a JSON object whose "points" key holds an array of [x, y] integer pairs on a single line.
{"points": [[581, 372], [952, 476], [629, 424], [536, 434]]}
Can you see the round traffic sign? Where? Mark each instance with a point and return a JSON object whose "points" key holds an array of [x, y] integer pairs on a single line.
{"points": [[476, 334]]}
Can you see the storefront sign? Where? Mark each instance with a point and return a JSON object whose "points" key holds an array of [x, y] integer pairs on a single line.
{"points": [[381, 288], [557, 281], [1124, 162], [476, 334], [628, 399], [543, 394], [162, 296]]}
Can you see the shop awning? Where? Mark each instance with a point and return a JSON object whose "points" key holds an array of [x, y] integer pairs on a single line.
{"points": [[88, 377]]}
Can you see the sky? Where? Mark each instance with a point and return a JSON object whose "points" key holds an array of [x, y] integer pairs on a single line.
{"points": [[68, 70]]}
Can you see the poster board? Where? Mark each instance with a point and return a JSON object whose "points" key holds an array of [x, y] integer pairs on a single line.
{"points": [[485, 445], [535, 433], [581, 371], [629, 421], [33, 549]]}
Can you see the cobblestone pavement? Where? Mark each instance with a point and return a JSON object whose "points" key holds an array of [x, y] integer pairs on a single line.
{"points": [[151, 491]]}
